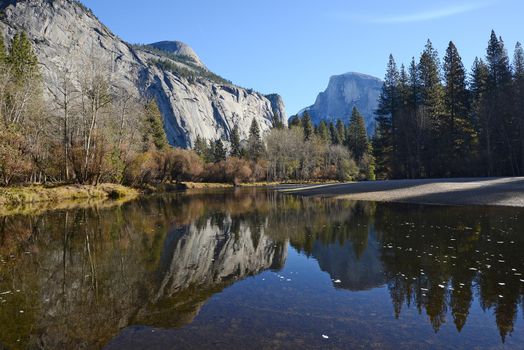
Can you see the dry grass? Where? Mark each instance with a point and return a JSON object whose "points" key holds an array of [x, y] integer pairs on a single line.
{"points": [[13, 196]]}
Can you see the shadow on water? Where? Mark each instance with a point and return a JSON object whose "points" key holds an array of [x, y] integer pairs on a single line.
{"points": [[88, 277]]}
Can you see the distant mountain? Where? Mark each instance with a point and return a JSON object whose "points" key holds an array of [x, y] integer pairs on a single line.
{"points": [[345, 92], [179, 48], [193, 100]]}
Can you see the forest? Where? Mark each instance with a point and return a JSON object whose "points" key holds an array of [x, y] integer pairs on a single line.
{"points": [[437, 120], [434, 120]]}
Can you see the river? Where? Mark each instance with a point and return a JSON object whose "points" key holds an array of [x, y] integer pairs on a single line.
{"points": [[254, 268]]}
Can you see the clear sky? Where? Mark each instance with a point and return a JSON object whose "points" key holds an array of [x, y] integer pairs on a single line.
{"points": [[292, 47]]}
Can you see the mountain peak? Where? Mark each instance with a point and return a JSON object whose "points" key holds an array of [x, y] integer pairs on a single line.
{"points": [[344, 92], [180, 49], [356, 75]]}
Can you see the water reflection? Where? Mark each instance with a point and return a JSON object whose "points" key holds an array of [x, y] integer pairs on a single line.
{"points": [[76, 278]]}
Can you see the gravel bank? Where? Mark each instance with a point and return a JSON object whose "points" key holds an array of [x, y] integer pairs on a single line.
{"points": [[465, 191]]}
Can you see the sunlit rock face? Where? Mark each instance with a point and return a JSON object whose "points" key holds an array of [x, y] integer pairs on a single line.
{"points": [[180, 49], [67, 37], [345, 92]]}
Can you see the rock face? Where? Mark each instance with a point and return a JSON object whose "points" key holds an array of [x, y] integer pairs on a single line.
{"points": [[180, 49], [345, 92], [277, 104], [66, 37]]}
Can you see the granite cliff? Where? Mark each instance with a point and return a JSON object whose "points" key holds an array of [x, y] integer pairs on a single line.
{"points": [[345, 92], [193, 100]]}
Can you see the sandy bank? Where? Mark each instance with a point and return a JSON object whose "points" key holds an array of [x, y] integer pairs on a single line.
{"points": [[465, 191]]}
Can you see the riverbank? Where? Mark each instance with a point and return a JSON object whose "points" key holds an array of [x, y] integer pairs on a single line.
{"points": [[465, 191], [22, 195]]}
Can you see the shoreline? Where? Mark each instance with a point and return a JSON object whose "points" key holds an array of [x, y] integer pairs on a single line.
{"points": [[36, 198], [507, 191], [36, 194]]}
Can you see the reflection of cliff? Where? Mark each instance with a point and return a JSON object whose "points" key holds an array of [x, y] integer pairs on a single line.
{"points": [[342, 263], [80, 276], [203, 261]]}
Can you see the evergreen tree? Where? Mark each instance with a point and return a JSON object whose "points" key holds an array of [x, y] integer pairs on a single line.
{"points": [[3, 52], [202, 148], [154, 134], [413, 123], [219, 151], [432, 111], [277, 123], [334, 135], [307, 125], [357, 137], [479, 109], [457, 130], [322, 132], [384, 139], [294, 121], [236, 148], [500, 154], [21, 58], [341, 132], [518, 79], [368, 165], [255, 144]]}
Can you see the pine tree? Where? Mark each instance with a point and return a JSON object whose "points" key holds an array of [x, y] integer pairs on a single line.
{"points": [[3, 52], [322, 132], [457, 131], [429, 75], [341, 132], [501, 156], [368, 164], [413, 124], [255, 144], [518, 82], [307, 125], [236, 148], [334, 135], [21, 58], [357, 137], [219, 151], [294, 121], [384, 139], [277, 123], [479, 110], [432, 104], [201, 147], [153, 134], [406, 123]]}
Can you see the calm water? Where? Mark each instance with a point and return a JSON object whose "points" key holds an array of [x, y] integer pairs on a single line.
{"points": [[255, 269]]}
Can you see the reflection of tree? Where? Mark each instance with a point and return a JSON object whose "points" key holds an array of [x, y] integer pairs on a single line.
{"points": [[92, 272], [438, 257], [84, 274]]}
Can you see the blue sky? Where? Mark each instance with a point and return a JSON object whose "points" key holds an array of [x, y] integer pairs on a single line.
{"points": [[292, 47]]}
